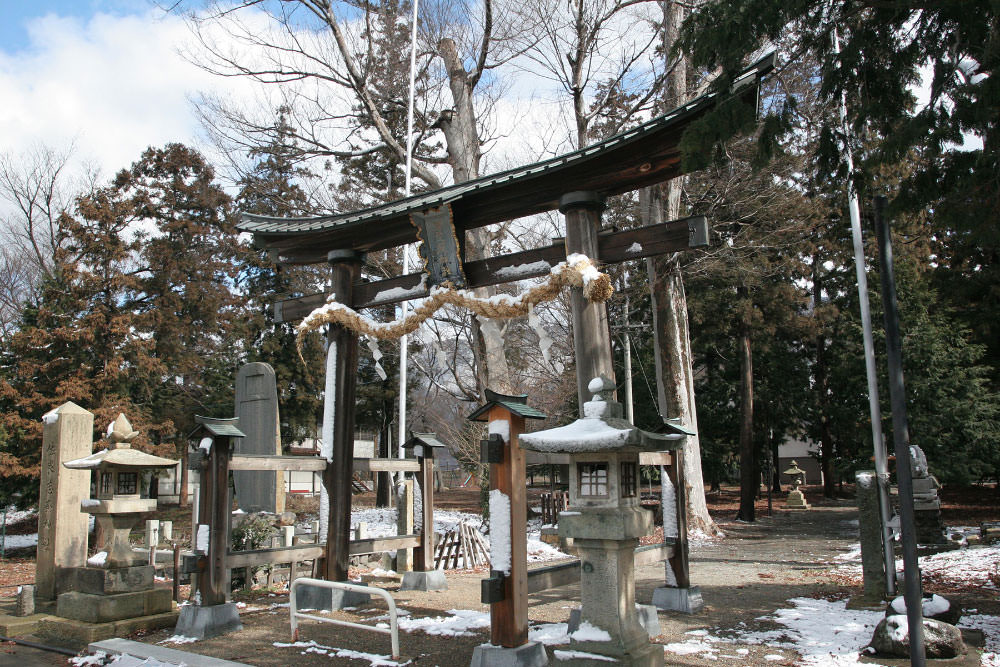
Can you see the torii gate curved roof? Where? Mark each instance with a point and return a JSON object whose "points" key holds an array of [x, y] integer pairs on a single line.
{"points": [[632, 159]]}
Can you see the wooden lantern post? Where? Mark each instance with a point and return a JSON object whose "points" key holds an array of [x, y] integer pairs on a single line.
{"points": [[507, 592]]}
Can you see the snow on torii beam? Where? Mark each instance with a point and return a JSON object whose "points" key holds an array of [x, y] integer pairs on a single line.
{"points": [[645, 155]]}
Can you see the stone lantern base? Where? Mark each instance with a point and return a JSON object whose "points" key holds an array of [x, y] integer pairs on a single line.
{"points": [[796, 501], [103, 595]]}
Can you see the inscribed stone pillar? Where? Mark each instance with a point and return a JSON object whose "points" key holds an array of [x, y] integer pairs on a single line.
{"points": [[68, 434], [257, 409], [870, 530]]}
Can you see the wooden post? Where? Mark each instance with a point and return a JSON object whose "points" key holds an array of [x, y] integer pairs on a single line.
{"points": [[214, 510], [423, 556], [509, 617], [679, 561], [404, 525], [337, 477], [591, 334]]}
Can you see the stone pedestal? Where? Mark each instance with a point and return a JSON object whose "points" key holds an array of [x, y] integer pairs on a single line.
{"points": [[103, 595], [685, 600], [432, 580], [328, 599], [203, 622], [605, 540], [62, 527], [531, 654], [796, 501]]}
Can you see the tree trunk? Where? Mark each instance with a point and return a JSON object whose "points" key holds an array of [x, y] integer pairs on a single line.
{"points": [[749, 480]]}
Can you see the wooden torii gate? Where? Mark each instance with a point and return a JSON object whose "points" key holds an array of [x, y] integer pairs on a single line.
{"points": [[576, 184]]}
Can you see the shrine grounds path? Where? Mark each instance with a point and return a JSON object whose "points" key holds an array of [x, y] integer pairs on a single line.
{"points": [[749, 573]]}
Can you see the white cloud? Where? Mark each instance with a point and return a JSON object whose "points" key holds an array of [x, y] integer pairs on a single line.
{"points": [[111, 85]]}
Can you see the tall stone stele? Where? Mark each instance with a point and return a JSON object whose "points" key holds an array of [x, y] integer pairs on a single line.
{"points": [[605, 521], [68, 433], [258, 417]]}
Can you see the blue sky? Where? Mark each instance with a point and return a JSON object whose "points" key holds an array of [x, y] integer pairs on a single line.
{"points": [[15, 15]]}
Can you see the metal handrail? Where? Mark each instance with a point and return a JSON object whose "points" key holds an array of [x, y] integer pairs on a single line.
{"points": [[294, 613]]}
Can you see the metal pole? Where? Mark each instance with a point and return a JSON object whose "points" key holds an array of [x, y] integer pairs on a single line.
{"points": [[878, 441], [406, 256], [900, 438], [629, 407], [3, 536]]}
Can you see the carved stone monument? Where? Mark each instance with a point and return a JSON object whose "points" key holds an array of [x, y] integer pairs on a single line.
{"points": [[68, 434], [926, 503], [257, 411]]}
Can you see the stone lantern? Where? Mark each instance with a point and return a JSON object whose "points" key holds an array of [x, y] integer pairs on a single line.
{"points": [[605, 521], [115, 588], [796, 501]]}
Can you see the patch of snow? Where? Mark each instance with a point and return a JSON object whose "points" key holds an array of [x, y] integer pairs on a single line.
{"points": [[90, 502], [202, 542], [98, 559], [50, 417], [521, 271], [403, 293], [459, 624], [572, 655], [329, 403], [824, 632], [89, 660], [373, 659], [692, 646], [635, 247], [20, 541], [587, 434], [179, 639], [990, 627], [500, 427], [15, 516], [589, 633], [379, 572], [774, 657], [206, 445], [595, 409], [550, 634], [931, 606], [500, 527]]}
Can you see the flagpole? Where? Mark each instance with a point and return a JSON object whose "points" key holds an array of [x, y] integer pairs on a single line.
{"points": [[406, 255]]}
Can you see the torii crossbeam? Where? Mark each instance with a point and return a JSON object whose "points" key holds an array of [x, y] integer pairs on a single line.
{"points": [[576, 184]]}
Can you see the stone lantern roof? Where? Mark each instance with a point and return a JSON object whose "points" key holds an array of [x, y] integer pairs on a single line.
{"points": [[601, 429], [119, 453]]}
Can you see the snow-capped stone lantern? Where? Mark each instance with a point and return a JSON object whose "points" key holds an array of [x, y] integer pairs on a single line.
{"points": [[118, 507], [605, 521]]}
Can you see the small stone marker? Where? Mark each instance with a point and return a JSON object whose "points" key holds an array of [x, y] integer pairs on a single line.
{"points": [[25, 600], [404, 503], [257, 409], [152, 533], [62, 528], [870, 529], [167, 531]]}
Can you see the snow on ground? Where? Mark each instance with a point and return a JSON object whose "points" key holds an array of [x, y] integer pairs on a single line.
{"points": [[312, 647], [15, 516], [825, 633], [990, 627], [459, 624], [971, 567], [20, 541]]}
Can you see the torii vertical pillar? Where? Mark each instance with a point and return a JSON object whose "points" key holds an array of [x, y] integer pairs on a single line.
{"points": [[345, 266], [591, 333]]}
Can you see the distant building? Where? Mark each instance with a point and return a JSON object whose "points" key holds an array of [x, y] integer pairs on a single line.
{"points": [[803, 452]]}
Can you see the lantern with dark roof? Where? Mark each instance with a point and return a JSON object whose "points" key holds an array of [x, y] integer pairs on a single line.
{"points": [[118, 505]]}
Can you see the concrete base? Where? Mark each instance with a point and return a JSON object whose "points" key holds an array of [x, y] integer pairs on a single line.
{"points": [[313, 597], [18, 626], [97, 608], [79, 633], [685, 600], [592, 654], [204, 622], [531, 654], [648, 619], [106, 581], [118, 646], [432, 580]]}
